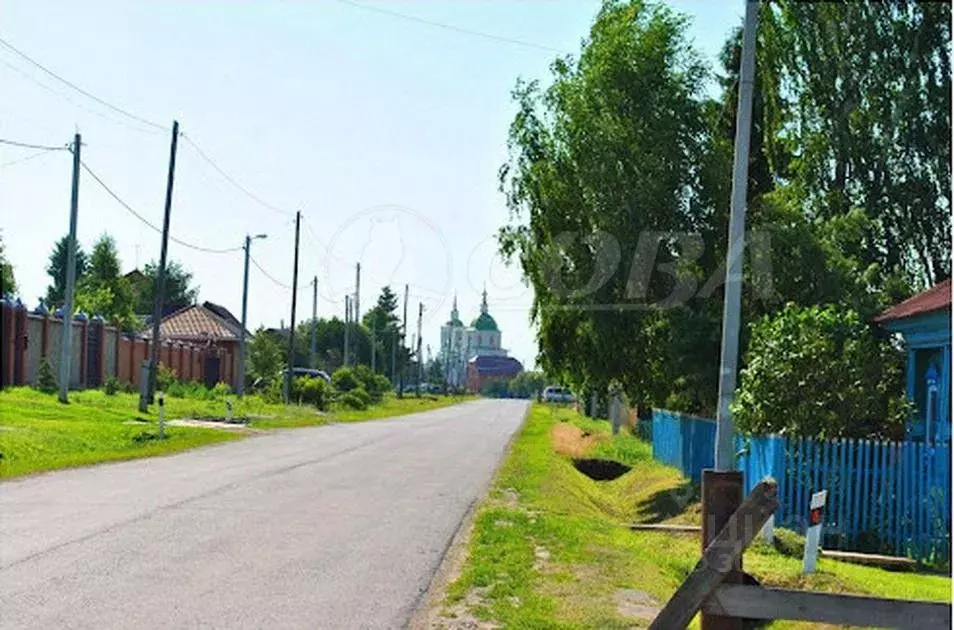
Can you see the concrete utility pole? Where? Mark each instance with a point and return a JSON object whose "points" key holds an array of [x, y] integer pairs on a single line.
{"points": [[291, 325], [725, 429], [357, 292], [314, 324], [420, 357], [144, 401], [67, 343], [241, 365], [347, 326]]}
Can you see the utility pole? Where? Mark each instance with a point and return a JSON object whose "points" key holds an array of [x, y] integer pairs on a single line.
{"points": [[373, 349], [314, 324], [393, 356], [357, 293], [241, 365], [403, 338], [291, 324], [144, 401], [66, 346], [725, 429], [347, 322], [420, 357]]}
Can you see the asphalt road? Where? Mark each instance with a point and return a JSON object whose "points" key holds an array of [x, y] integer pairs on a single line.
{"points": [[332, 527]]}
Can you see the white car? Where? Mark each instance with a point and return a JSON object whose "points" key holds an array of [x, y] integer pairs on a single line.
{"points": [[556, 394]]}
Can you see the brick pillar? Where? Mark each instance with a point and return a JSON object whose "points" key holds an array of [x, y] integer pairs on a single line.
{"points": [[20, 343]]}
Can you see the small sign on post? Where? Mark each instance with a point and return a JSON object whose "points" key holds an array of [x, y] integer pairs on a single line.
{"points": [[813, 535], [162, 416]]}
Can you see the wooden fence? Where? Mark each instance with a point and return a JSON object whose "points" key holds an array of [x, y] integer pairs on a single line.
{"points": [[883, 497]]}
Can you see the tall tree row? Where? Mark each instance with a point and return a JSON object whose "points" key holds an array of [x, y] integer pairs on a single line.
{"points": [[619, 180]]}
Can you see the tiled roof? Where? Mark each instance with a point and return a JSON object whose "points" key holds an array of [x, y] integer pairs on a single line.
{"points": [[496, 366], [194, 323], [935, 298]]}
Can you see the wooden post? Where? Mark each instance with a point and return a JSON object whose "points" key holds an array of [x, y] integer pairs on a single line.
{"points": [[722, 494]]}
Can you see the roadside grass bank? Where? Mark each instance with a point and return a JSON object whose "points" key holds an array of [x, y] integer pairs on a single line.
{"points": [[550, 547], [38, 433]]}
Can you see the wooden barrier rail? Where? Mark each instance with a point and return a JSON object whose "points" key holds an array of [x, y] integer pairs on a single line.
{"points": [[704, 589]]}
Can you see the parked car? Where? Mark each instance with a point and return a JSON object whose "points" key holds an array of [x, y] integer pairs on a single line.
{"points": [[557, 394]]}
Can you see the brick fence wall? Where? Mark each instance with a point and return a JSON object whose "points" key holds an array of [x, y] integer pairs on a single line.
{"points": [[98, 351]]}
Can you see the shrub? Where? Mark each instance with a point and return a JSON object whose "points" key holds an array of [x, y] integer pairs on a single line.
{"points": [[221, 390], [111, 385], [344, 380], [357, 398], [45, 379], [191, 389], [821, 372], [165, 376], [311, 391], [376, 385]]}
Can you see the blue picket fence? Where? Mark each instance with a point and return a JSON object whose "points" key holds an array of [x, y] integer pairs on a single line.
{"points": [[883, 497], [684, 442]]}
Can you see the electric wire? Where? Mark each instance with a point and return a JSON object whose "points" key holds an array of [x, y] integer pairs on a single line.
{"points": [[143, 219]]}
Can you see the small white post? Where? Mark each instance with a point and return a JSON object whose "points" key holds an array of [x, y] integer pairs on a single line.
{"points": [[228, 409], [813, 535], [162, 415]]}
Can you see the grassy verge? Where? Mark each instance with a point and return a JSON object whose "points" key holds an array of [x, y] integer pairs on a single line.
{"points": [[390, 407], [549, 549], [37, 433]]}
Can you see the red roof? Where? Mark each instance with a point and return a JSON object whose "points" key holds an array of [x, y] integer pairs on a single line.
{"points": [[935, 298], [194, 323]]}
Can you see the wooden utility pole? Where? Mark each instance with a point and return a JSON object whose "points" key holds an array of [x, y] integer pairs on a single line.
{"points": [[67, 343], [347, 327], [291, 325], [314, 324], [357, 293], [146, 400], [420, 357], [403, 338]]}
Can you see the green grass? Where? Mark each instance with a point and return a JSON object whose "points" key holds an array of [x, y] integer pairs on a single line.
{"points": [[549, 546], [390, 407], [38, 434]]}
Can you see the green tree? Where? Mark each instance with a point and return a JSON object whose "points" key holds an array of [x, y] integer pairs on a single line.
{"points": [[616, 146], [527, 384], [8, 283], [102, 290], [867, 112], [266, 356], [179, 291], [434, 373], [383, 317], [821, 372], [56, 269]]}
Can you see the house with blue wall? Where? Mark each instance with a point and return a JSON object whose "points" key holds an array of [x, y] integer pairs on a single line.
{"points": [[924, 321]]}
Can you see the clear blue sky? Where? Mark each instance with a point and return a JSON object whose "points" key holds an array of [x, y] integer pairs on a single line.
{"points": [[387, 133]]}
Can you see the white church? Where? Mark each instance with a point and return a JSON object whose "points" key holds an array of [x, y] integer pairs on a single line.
{"points": [[460, 344]]}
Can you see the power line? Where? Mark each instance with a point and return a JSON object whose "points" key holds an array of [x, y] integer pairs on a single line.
{"points": [[450, 27], [39, 153], [46, 87], [66, 82], [29, 145], [232, 180], [269, 276], [150, 224]]}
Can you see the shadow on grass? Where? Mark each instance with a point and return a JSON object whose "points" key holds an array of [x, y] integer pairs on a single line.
{"points": [[668, 503]]}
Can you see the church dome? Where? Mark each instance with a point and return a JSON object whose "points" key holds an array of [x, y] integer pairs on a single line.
{"points": [[485, 323]]}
